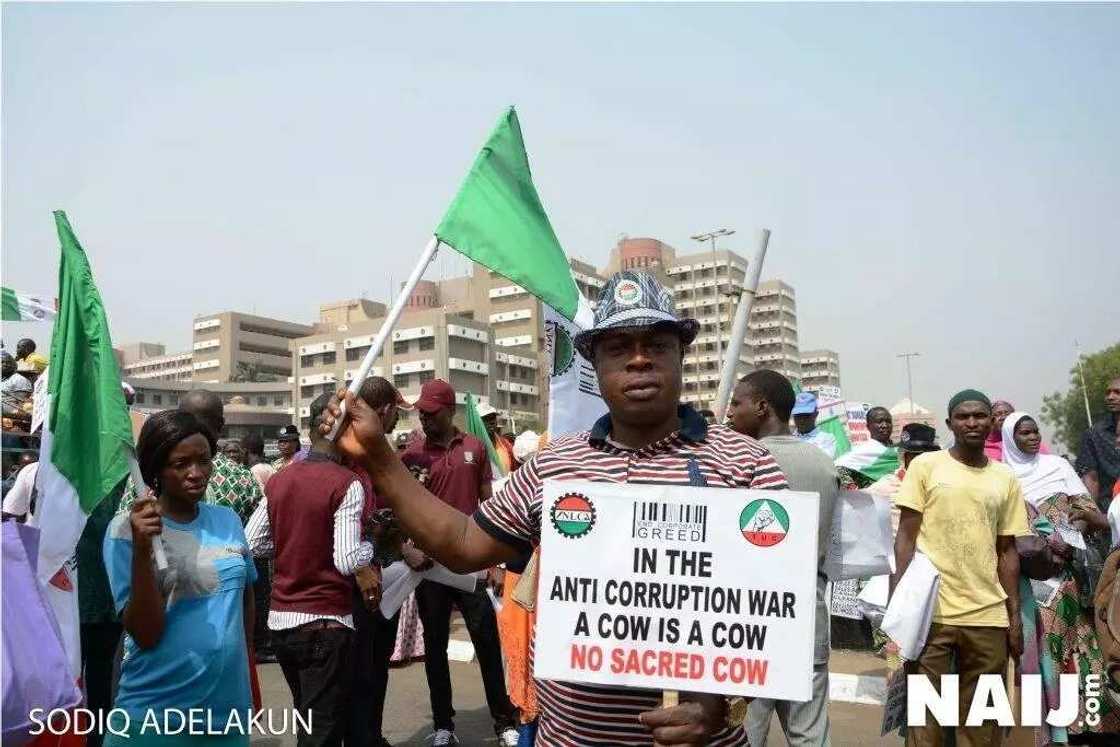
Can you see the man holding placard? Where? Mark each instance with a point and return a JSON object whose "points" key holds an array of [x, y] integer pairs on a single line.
{"points": [[637, 346]]}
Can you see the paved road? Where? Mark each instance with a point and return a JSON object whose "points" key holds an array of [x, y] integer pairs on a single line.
{"points": [[407, 714]]}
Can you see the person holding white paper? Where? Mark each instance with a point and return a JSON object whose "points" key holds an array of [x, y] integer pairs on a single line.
{"points": [[963, 511], [760, 408]]}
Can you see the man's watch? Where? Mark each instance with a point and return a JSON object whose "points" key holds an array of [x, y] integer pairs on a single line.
{"points": [[736, 712]]}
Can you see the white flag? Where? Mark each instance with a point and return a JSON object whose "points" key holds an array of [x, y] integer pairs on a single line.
{"points": [[574, 402]]}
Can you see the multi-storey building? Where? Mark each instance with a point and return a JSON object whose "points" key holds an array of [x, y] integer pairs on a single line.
{"points": [[250, 407], [231, 346], [819, 368], [772, 329], [161, 367], [428, 342], [136, 351], [707, 286]]}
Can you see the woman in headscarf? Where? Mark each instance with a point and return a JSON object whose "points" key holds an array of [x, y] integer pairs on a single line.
{"points": [[993, 446], [1056, 589]]}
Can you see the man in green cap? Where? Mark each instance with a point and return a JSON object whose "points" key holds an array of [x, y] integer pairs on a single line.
{"points": [[963, 511]]}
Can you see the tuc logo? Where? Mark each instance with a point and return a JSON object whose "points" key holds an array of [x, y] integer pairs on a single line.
{"points": [[764, 522]]}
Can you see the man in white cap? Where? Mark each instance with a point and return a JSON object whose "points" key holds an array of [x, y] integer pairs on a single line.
{"points": [[503, 445], [805, 418]]}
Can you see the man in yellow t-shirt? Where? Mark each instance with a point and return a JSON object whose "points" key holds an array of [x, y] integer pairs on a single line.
{"points": [[964, 511]]}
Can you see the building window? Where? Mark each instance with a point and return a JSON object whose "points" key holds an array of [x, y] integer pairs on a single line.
{"points": [[139, 398], [427, 343], [262, 401], [157, 399], [400, 381], [400, 347], [329, 359], [278, 400], [356, 354], [426, 376], [173, 399]]}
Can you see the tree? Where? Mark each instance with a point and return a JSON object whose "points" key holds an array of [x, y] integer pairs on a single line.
{"points": [[1066, 411], [247, 372]]}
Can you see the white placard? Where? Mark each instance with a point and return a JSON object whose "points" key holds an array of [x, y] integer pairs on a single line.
{"points": [[678, 588]]}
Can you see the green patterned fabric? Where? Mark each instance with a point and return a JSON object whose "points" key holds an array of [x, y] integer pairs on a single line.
{"points": [[1066, 623], [231, 485]]}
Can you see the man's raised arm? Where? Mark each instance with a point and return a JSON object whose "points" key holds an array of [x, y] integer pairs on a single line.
{"points": [[444, 533]]}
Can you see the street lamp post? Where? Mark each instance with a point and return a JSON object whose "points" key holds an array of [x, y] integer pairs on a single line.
{"points": [[712, 236], [909, 380]]}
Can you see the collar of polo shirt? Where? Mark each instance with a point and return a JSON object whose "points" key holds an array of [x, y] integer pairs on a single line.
{"points": [[694, 428]]}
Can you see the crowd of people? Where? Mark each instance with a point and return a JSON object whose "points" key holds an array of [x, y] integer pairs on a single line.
{"points": [[285, 560]]}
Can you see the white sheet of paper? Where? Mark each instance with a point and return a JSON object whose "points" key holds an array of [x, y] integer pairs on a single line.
{"points": [[861, 542], [910, 611], [1070, 536], [397, 582]]}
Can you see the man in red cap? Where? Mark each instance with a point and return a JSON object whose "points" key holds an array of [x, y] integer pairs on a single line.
{"points": [[454, 466]]}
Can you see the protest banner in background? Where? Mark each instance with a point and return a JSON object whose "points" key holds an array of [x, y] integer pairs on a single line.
{"points": [[678, 588]]}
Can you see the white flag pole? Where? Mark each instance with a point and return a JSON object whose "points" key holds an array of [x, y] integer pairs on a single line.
{"points": [[395, 312], [142, 492], [739, 327]]}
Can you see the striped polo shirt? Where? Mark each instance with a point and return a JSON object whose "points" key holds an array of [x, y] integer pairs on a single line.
{"points": [[580, 715]]}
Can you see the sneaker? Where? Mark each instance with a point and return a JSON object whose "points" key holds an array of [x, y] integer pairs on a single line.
{"points": [[508, 737], [443, 738]]}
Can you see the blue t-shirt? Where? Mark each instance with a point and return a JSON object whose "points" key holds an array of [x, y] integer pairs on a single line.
{"points": [[201, 659]]}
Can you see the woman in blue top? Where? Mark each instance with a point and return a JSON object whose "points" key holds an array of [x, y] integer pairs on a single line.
{"points": [[186, 627]]}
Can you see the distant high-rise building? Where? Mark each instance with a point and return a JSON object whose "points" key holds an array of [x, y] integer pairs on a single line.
{"points": [[232, 346], [772, 329], [819, 368], [707, 286], [137, 351], [164, 367], [428, 342]]}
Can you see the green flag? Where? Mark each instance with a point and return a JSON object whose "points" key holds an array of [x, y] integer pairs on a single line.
{"points": [[497, 220], [839, 432], [477, 428], [91, 433]]}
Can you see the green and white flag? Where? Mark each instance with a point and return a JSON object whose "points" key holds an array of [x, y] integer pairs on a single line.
{"points": [[24, 307], [477, 428], [87, 437], [497, 220], [838, 431], [871, 459]]}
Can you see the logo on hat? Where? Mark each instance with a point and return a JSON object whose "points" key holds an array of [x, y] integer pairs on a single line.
{"points": [[468, 457], [627, 292], [764, 522], [563, 351], [573, 515]]}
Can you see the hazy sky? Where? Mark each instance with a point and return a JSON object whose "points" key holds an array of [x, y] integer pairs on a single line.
{"points": [[937, 178]]}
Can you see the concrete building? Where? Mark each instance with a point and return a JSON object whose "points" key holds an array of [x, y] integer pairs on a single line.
{"points": [[819, 368], [428, 342], [905, 412], [707, 286], [772, 329], [251, 407], [231, 345], [138, 351], [162, 367]]}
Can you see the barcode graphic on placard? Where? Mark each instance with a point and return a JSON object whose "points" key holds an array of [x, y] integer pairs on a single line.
{"points": [[686, 514]]}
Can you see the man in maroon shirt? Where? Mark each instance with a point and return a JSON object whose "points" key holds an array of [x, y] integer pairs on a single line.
{"points": [[454, 466]]}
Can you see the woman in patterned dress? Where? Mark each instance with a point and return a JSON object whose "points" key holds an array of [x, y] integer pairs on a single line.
{"points": [[1058, 582]]}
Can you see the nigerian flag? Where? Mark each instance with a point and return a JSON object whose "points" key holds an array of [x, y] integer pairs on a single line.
{"points": [[838, 431], [25, 307], [477, 428], [497, 220], [87, 436], [871, 459]]}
